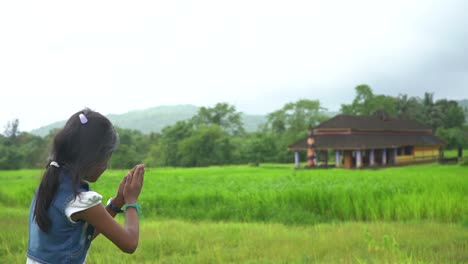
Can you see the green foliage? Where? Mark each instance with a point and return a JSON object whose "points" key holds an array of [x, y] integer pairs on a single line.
{"points": [[257, 148], [132, 149], [464, 162], [290, 124], [204, 140], [223, 115], [10, 157], [453, 114], [453, 136], [296, 117], [11, 129], [366, 103], [444, 116], [168, 147], [20, 149], [208, 145], [409, 108], [464, 105]]}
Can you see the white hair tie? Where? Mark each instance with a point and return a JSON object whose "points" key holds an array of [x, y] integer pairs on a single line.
{"points": [[55, 164]]}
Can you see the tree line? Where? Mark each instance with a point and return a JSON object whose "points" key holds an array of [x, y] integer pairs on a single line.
{"points": [[216, 136]]}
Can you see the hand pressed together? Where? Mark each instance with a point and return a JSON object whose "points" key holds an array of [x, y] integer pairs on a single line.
{"points": [[133, 183]]}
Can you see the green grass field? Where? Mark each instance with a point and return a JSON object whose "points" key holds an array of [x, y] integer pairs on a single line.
{"points": [[275, 214]]}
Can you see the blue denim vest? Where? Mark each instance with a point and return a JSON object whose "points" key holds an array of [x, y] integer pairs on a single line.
{"points": [[65, 242]]}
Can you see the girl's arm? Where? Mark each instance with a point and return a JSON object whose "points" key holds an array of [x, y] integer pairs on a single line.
{"points": [[118, 201], [126, 237]]}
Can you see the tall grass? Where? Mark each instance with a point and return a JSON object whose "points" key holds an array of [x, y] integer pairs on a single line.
{"points": [[278, 193], [274, 214]]}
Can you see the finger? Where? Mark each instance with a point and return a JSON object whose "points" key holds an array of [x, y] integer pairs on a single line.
{"points": [[137, 174], [132, 170], [129, 178], [141, 172], [123, 179], [142, 176]]}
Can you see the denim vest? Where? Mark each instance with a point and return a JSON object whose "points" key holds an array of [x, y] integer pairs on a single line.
{"points": [[65, 242]]}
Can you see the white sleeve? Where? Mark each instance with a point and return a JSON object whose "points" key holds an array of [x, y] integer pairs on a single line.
{"points": [[82, 202]]}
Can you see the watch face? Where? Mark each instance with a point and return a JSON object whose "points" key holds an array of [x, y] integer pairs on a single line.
{"points": [[113, 207]]}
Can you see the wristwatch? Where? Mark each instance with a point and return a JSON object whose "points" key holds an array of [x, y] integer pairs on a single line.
{"points": [[113, 207]]}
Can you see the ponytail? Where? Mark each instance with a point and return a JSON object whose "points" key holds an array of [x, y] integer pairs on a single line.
{"points": [[45, 194]]}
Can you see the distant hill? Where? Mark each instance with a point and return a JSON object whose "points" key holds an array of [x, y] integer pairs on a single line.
{"points": [[156, 118], [153, 119]]}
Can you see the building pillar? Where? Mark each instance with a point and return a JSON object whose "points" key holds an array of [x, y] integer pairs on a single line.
{"points": [[337, 159], [384, 157], [325, 152], [395, 155], [296, 159], [371, 158], [358, 158], [311, 156]]}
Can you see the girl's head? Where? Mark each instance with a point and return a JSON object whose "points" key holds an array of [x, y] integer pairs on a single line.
{"points": [[83, 147]]}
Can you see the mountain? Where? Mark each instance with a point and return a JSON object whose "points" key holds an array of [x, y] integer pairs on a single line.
{"points": [[153, 119], [156, 118]]}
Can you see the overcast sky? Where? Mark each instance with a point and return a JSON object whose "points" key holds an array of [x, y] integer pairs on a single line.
{"points": [[116, 56]]}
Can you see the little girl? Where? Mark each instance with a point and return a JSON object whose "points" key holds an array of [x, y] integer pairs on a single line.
{"points": [[65, 215]]}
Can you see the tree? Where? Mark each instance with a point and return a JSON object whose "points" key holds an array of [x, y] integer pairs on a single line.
{"points": [[366, 103], [291, 123], [296, 117], [409, 108], [11, 129], [258, 147], [361, 103], [32, 149], [153, 157], [431, 113], [133, 148], [451, 114], [223, 115], [454, 137], [169, 143], [208, 145], [10, 155]]}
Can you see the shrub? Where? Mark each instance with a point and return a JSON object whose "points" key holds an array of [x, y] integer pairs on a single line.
{"points": [[464, 161]]}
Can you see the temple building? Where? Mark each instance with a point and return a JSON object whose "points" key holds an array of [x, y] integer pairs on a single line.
{"points": [[368, 141]]}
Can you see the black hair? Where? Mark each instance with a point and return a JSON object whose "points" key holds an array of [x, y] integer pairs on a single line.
{"points": [[82, 144]]}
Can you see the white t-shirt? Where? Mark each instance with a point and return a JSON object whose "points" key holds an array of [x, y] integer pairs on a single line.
{"points": [[83, 201]]}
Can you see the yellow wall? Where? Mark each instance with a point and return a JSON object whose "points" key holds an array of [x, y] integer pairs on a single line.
{"points": [[420, 154], [426, 153], [405, 159]]}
